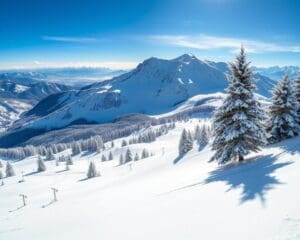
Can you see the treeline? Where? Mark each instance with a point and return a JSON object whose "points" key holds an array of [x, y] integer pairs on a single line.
{"points": [[92, 144]]}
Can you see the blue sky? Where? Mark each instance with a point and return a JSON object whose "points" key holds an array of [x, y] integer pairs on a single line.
{"points": [[118, 34]]}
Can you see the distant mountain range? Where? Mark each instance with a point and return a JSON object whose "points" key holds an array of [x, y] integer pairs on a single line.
{"points": [[20, 92], [156, 86], [276, 72], [73, 76]]}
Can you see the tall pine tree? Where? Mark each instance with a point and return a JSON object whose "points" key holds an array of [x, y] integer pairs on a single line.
{"points": [[283, 119], [237, 123], [297, 93]]}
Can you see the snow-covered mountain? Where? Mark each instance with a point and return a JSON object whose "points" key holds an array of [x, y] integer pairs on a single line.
{"points": [[277, 72], [19, 94], [156, 86]]}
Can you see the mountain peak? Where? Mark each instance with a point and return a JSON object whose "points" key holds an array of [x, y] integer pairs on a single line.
{"points": [[185, 58]]}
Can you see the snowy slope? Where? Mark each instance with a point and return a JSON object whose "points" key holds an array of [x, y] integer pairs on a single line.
{"points": [[16, 96], [156, 86], [10, 111], [157, 199]]}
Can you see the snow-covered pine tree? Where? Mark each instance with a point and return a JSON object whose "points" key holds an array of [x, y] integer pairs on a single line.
{"points": [[145, 154], [76, 148], [203, 137], [283, 119], [92, 171], [186, 142], [128, 156], [41, 167], [237, 124], [49, 154], [197, 133], [69, 160], [121, 159], [9, 171], [124, 143], [297, 93], [103, 158], [136, 157], [110, 156]]}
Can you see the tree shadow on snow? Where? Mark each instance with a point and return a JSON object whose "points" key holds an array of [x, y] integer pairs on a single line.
{"points": [[31, 173], [254, 178], [178, 159]]}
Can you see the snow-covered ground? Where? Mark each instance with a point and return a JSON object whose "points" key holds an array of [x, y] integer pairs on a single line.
{"points": [[161, 197]]}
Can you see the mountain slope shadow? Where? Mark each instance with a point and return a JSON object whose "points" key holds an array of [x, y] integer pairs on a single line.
{"points": [[255, 178]]}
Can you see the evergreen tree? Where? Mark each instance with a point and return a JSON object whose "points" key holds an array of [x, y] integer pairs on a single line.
{"points": [[297, 93], [110, 156], [128, 156], [49, 154], [69, 160], [9, 170], [237, 124], [204, 139], [112, 144], [185, 143], [121, 159], [283, 119], [41, 167], [103, 158], [145, 153], [124, 143], [92, 171], [136, 157], [76, 148]]}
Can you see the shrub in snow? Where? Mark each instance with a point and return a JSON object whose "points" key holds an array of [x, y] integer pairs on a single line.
{"points": [[283, 119], [9, 171], [237, 124], [92, 171], [41, 167], [128, 156], [136, 157], [185, 142]]}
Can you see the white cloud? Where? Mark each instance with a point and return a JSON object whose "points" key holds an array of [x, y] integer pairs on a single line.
{"points": [[203, 41], [70, 39]]}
